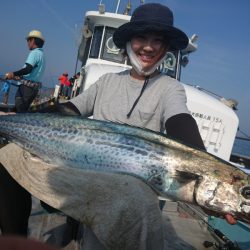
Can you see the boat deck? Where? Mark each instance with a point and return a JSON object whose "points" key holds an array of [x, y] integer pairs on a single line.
{"points": [[183, 230]]}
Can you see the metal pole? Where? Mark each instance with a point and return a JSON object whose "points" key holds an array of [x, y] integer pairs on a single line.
{"points": [[117, 7], [77, 60]]}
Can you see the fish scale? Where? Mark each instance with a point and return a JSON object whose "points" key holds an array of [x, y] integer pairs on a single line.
{"points": [[82, 152], [173, 169]]}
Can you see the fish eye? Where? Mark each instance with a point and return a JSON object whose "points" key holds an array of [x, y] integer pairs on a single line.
{"points": [[245, 192]]}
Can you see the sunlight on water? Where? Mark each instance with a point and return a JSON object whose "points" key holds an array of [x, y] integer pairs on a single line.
{"points": [[241, 147]]}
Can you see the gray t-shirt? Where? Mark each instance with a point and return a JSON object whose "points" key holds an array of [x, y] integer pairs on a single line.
{"points": [[114, 94]]}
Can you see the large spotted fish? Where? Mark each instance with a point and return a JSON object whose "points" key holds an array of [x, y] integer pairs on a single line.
{"points": [[173, 169]]}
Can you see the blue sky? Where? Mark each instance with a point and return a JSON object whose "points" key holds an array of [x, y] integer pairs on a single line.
{"points": [[220, 64]]}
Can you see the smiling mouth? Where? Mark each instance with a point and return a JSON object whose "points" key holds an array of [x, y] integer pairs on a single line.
{"points": [[146, 58]]}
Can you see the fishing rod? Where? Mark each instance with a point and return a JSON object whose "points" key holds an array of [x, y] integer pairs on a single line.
{"points": [[3, 80], [242, 138], [246, 136], [227, 243], [221, 241], [12, 82]]}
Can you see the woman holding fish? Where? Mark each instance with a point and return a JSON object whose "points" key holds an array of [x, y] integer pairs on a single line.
{"points": [[142, 96]]}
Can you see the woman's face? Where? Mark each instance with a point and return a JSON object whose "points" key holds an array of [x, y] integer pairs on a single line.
{"points": [[149, 48]]}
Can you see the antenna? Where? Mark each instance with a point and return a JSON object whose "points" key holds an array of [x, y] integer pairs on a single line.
{"points": [[128, 8], [101, 7], [117, 7]]}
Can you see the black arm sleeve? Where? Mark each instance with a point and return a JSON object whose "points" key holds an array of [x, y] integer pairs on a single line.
{"points": [[66, 108], [183, 127], [24, 71]]}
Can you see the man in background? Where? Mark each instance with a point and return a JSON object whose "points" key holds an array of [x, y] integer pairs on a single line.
{"points": [[31, 74]]}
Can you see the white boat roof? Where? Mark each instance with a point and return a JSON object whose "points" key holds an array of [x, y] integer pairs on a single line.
{"points": [[108, 19]]}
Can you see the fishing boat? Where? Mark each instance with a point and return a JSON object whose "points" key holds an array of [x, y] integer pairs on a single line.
{"points": [[216, 118]]}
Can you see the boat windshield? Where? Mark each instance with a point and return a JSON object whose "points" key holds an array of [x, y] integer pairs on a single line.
{"points": [[103, 47]]}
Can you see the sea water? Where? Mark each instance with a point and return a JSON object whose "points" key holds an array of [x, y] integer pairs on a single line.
{"points": [[242, 147]]}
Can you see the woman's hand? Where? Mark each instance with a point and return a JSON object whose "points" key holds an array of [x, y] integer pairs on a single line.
{"points": [[228, 217]]}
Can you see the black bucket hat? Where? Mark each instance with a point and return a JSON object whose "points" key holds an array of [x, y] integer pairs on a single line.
{"points": [[151, 17]]}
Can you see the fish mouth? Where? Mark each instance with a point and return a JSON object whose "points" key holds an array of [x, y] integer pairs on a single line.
{"points": [[243, 213], [224, 198], [245, 192], [245, 205]]}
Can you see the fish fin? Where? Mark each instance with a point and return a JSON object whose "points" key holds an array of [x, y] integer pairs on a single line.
{"points": [[186, 177], [156, 182]]}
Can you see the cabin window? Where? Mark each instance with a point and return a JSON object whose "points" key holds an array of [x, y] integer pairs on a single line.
{"points": [[96, 42], [83, 51], [109, 51]]}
